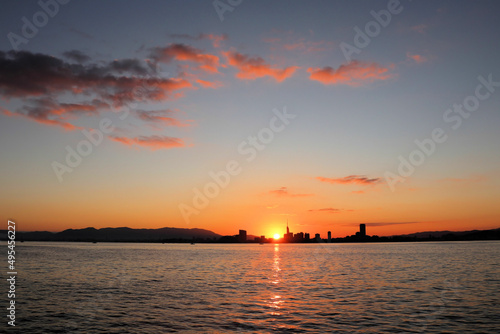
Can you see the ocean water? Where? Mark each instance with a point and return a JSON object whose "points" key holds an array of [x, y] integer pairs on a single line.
{"points": [[449, 287]]}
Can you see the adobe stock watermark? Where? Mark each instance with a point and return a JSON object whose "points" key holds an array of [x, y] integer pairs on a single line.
{"points": [[453, 116], [222, 6], [248, 148], [372, 29], [30, 27]]}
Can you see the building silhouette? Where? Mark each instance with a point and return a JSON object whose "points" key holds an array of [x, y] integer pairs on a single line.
{"points": [[242, 237], [362, 230], [329, 236], [317, 237], [288, 237]]}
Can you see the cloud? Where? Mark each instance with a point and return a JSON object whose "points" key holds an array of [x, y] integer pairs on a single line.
{"points": [[52, 122], [152, 142], [415, 57], [42, 82], [182, 52], [25, 74], [209, 84], [354, 73], [159, 116], [253, 68], [359, 192], [283, 192], [351, 179], [329, 210], [50, 112]]}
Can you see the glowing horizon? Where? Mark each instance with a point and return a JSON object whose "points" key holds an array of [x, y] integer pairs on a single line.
{"points": [[163, 123]]}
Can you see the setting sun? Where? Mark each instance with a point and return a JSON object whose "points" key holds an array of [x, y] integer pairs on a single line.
{"points": [[276, 236]]}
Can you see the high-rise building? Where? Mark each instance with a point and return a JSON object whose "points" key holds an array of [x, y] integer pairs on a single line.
{"points": [[317, 237], [307, 236], [362, 230], [329, 236], [288, 237], [242, 237]]}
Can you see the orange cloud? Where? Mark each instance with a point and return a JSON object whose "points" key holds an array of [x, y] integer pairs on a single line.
{"points": [[354, 73], [351, 179], [50, 112], [208, 84], [182, 52], [153, 142], [253, 68], [417, 58], [53, 122], [283, 192]]}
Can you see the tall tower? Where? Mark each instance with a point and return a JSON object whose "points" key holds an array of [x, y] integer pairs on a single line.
{"points": [[287, 229], [329, 236], [362, 230]]}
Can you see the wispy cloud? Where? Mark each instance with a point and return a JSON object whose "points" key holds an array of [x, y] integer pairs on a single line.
{"points": [[253, 68], [327, 210], [416, 58], [284, 192], [160, 116], [351, 179], [354, 73], [152, 142], [209, 84], [42, 83], [182, 52]]}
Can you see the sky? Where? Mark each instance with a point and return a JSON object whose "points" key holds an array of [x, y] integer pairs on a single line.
{"points": [[238, 114]]}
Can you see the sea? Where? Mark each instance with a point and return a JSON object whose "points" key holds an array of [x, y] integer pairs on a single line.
{"points": [[424, 287]]}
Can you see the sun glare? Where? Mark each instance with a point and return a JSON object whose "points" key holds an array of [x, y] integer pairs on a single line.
{"points": [[276, 236]]}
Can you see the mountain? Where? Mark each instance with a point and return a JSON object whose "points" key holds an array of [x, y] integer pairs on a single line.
{"points": [[493, 234], [117, 234]]}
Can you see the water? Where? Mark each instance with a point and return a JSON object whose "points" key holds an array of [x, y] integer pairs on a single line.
{"points": [[451, 287]]}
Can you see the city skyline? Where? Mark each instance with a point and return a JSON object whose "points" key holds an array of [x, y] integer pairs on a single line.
{"points": [[325, 114]]}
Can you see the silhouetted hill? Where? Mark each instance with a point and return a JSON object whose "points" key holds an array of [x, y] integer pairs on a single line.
{"points": [[118, 234], [461, 235]]}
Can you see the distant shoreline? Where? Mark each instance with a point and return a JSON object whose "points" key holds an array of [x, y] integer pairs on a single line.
{"points": [[178, 235]]}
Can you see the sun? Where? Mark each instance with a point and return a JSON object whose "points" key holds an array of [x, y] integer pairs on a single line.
{"points": [[276, 236]]}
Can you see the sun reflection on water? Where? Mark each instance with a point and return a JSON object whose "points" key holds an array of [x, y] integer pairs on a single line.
{"points": [[275, 300]]}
